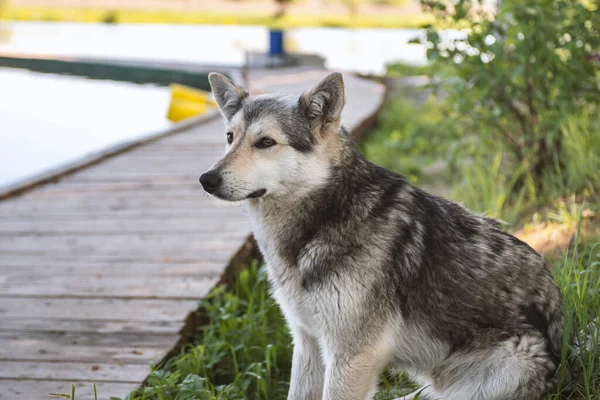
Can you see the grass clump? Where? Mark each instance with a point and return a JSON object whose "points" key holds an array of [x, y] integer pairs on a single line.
{"points": [[497, 184], [244, 352], [578, 276]]}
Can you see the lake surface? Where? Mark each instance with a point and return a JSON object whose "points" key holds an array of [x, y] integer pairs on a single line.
{"points": [[360, 50], [49, 120]]}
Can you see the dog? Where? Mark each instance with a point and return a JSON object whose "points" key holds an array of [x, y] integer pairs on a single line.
{"points": [[371, 272]]}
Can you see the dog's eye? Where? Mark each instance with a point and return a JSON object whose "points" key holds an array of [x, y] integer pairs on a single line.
{"points": [[265, 142], [229, 137]]}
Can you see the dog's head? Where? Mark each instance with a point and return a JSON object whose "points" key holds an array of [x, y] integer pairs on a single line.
{"points": [[276, 145]]}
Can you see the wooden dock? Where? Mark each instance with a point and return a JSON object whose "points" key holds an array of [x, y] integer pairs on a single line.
{"points": [[101, 270]]}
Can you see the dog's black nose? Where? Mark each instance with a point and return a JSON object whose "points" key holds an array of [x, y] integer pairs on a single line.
{"points": [[210, 181]]}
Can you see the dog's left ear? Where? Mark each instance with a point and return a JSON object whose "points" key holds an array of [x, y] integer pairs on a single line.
{"points": [[323, 105], [228, 95]]}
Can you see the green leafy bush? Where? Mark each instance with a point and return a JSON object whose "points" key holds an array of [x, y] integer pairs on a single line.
{"points": [[581, 150], [517, 78]]}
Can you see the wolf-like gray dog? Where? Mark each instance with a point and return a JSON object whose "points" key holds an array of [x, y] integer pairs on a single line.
{"points": [[371, 272]]}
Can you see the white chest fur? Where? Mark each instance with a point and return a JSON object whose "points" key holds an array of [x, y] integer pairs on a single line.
{"points": [[297, 304]]}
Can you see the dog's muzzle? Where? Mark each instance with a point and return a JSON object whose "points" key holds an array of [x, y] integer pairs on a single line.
{"points": [[211, 181]]}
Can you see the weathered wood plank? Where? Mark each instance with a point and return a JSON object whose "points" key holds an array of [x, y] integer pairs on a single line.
{"points": [[94, 259], [100, 286], [105, 226], [97, 309], [50, 326], [24, 266], [56, 192], [14, 389], [74, 371], [155, 245], [101, 203], [200, 231], [85, 347], [121, 214]]}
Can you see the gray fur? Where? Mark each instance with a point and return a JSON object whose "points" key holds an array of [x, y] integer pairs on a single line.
{"points": [[323, 105], [372, 272], [291, 119], [228, 96]]}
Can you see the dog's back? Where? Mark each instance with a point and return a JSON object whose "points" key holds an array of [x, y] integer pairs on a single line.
{"points": [[478, 278]]}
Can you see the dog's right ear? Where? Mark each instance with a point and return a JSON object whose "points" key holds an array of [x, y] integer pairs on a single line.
{"points": [[228, 95], [323, 105]]}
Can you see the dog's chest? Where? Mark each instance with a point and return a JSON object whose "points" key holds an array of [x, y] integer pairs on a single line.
{"points": [[300, 306]]}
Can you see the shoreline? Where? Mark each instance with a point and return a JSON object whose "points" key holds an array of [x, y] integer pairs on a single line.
{"points": [[398, 19]]}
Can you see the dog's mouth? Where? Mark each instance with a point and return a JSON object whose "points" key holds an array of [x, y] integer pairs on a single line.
{"points": [[257, 193]]}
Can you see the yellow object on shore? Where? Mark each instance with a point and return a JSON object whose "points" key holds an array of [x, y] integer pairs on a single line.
{"points": [[187, 102]]}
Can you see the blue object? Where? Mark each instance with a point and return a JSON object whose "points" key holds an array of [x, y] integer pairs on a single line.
{"points": [[276, 42]]}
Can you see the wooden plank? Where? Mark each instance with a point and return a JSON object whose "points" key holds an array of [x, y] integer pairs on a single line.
{"points": [[75, 191], [119, 207], [112, 203], [200, 230], [112, 226], [69, 193], [85, 347], [51, 326], [190, 180], [100, 286], [72, 371], [94, 259], [190, 245], [14, 389], [24, 266], [122, 214], [97, 309]]}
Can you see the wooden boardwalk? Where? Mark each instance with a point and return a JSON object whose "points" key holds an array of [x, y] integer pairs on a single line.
{"points": [[101, 271]]}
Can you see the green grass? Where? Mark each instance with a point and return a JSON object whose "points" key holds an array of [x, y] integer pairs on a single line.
{"points": [[244, 352], [109, 15], [578, 276]]}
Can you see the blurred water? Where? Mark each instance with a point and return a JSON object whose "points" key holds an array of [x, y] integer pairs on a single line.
{"points": [[48, 120], [360, 50]]}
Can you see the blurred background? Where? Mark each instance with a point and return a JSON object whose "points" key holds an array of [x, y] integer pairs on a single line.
{"points": [[138, 47]]}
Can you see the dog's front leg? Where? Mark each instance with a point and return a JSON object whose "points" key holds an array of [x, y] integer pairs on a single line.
{"points": [[352, 377], [308, 370]]}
